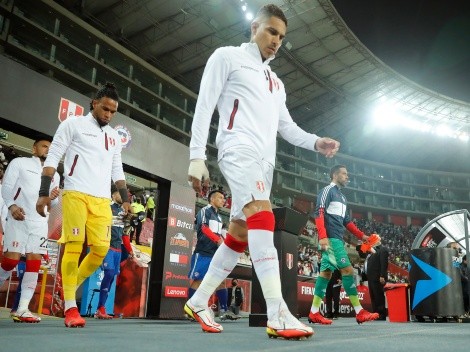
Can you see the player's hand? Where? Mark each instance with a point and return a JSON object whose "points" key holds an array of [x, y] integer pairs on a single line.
{"points": [[324, 244], [327, 146], [17, 212], [126, 206], [41, 205], [365, 238], [54, 193], [198, 175]]}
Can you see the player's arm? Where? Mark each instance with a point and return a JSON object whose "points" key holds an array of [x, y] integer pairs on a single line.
{"points": [[62, 140], [213, 81], [126, 241], [10, 189], [319, 218], [117, 174], [351, 227]]}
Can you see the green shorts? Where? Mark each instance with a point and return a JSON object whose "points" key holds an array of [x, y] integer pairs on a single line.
{"points": [[336, 257]]}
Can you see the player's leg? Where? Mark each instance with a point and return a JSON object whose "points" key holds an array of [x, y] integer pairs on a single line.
{"points": [[74, 210], [221, 265], [14, 243], [98, 230], [108, 267], [326, 267], [349, 285], [36, 246]]}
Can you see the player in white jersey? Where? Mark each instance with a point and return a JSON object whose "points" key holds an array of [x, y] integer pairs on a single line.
{"points": [[92, 160], [251, 102], [25, 230], [3, 208]]}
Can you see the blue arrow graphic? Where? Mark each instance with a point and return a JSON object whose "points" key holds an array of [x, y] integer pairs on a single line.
{"points": [[425, 288]]}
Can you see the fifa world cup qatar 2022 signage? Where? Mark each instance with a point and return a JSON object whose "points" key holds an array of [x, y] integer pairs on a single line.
{"points": [[178, 249]]}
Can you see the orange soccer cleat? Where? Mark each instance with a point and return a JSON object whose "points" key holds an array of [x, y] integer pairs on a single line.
{"points": [[73, 318], [364, 316], [317, 318]]}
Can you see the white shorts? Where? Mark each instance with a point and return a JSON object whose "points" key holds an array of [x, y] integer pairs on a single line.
{"points": [[25, 236], [248, 176]]}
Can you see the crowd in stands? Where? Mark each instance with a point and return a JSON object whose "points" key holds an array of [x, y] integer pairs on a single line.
{"points": [[397, 238]]}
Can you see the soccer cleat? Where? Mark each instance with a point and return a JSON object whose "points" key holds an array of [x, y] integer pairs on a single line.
{"points": [[25, 317], [73, 318], [285, 325], [101, 314], [364, 316], [317, 318], [204, 316], [368, 246], [228, 315]]}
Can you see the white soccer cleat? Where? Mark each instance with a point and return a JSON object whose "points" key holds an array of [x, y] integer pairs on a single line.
{"points": [[284, 325], [204, 316]]}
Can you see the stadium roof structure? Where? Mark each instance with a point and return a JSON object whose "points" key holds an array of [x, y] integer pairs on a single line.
{"points": [[333, 81]]}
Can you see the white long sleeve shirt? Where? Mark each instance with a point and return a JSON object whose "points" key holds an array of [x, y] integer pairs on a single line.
{"points": [[92, 155], [21, 184], [251, 101]]}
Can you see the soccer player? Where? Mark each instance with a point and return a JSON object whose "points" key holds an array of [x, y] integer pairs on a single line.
{"points": [[112, 262], [251, 102], [331, 217], [25, 230], [92, 159]]}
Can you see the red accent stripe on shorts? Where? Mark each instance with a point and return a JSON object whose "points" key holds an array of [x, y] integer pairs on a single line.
{"points": [[232, 243], [9, 264], [264, 220], [33, 266]]}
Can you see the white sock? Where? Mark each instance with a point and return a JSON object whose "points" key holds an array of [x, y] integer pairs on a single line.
{"points": [[69, 304], [28, 286], [221, 266], [266, 263]]}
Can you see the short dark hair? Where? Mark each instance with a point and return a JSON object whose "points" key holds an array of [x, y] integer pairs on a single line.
{"points": [[335, 170], [42, 138], [271, 10], [109, 90], [211, 193]]}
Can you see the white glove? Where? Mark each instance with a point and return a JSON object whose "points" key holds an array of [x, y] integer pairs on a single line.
{"points": [[198, 169]]}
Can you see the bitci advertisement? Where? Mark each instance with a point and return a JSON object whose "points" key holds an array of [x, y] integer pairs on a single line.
{"points": [[179, 243]]}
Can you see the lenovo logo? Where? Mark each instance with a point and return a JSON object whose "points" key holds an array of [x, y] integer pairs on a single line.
{"points": [[176, 292]]}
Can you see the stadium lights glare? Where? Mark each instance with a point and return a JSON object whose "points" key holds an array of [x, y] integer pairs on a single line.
{"points": [[385, 116], [244, 8], [249, 16]]}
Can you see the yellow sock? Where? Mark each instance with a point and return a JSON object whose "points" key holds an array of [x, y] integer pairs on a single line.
{"points": [[91, 262], [69, 269]]}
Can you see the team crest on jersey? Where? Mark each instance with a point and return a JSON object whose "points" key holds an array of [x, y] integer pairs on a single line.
{"points": [[124, 134], [260, 186], [75, 231]]}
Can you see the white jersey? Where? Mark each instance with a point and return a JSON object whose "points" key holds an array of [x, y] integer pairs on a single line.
{"points": [[251, 101], [21, 184], [3, 210], [92, 155]]}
